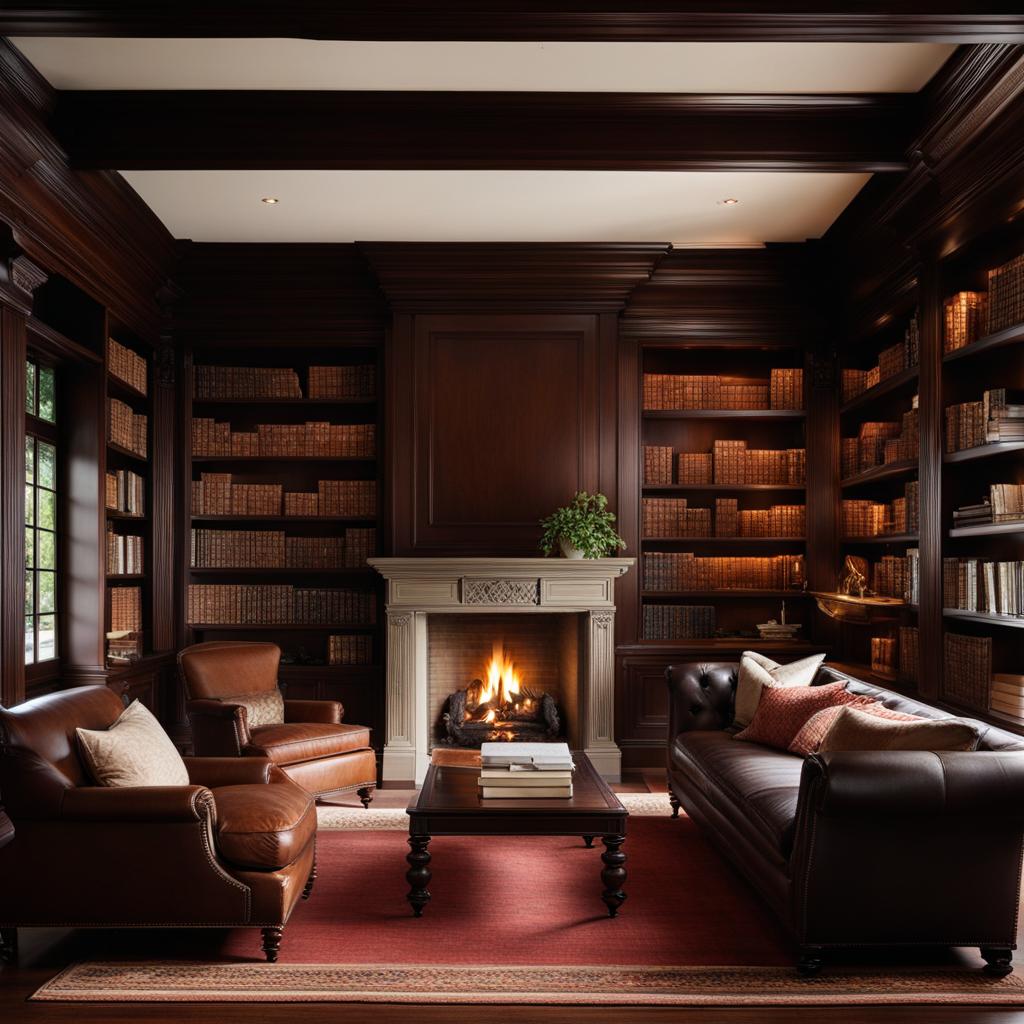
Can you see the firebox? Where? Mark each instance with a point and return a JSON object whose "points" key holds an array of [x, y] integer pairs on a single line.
{"points": [[503, 677]]}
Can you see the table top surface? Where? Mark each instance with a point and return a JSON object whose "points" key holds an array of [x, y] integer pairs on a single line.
{"points": [[453, 790]]}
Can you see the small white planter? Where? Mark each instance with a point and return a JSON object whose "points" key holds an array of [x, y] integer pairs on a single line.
{"points": [[568, 551]]}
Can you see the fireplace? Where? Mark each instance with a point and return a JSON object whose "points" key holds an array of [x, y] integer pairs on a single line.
{"points": [[555, 617], [502, 677]]}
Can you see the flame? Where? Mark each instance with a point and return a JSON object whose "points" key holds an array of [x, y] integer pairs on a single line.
{"points": [[501, 679]]}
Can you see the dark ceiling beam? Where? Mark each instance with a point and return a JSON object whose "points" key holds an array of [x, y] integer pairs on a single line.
{"points": [[509, 131], [984, 21]]}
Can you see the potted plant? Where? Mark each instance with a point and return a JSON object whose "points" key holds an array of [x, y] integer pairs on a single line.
{"points": [[582, 529]]}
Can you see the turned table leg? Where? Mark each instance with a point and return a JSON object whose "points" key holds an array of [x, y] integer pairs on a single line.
{"points": [[418, 876], [613, 874], [589, 840]]}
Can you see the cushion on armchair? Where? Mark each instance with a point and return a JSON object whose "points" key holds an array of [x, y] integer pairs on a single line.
{"points": [[134, 751], [263, 708]]}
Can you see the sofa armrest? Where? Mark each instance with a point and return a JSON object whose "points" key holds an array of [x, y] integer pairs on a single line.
{"points": [[214, 772], [702, 696], [915, 783], [219, 729], [137, 804], [327, 712]]}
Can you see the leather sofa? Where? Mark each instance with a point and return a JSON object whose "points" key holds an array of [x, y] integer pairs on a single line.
{"points": [[312, 747], [860, 848], [234, 848]]}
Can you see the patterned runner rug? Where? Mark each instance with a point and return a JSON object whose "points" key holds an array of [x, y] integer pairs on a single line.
{"points": [[606, 985]]}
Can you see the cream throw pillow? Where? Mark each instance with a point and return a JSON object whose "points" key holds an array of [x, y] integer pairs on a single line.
{"points": [[134, 751], [263, 708], [757, 671], [856, 730]]}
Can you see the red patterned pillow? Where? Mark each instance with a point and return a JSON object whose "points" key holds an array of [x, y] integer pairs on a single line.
{"points": [[783, 710], [809, 738]]}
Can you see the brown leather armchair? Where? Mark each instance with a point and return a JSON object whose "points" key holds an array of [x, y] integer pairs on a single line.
{"points": [[234, 848], [312, 746]]}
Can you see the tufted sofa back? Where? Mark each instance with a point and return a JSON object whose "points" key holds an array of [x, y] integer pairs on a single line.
{"points": [[701, 695]]}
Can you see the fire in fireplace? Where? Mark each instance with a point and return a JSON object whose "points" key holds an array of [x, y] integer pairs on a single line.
{"points": [[498, 706]]}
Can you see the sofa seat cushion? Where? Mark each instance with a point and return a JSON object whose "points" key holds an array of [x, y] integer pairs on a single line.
{"points": [[295, 742], [763, 783], [263, 827]]}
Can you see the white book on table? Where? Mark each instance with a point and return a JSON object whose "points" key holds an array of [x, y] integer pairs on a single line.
{"points": [[538, 756], [526, 793]]}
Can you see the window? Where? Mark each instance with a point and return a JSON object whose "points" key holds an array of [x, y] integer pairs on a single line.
{"points": [[41, 549]]}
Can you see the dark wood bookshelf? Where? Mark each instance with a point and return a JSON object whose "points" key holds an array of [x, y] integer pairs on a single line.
{"points": [[201, 459], [893, 471], [127, 452], [124, 577], [732, 644], [724, 414], [984, 451], [895, 386], [242, 570], [987, 529], [1013, 335], [129, 516], [350, 520], [274, 627], [723, 540], [122, 389], [752, 594], [884, 538], [57, 341], [725, 488], [357, 402], [992, 618]]}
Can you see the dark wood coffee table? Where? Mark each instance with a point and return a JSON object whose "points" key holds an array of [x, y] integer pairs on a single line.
{"points": [[449, 805]]}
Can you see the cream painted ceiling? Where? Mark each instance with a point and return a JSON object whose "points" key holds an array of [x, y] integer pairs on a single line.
{"points": [[684, 208], [85, 63]]}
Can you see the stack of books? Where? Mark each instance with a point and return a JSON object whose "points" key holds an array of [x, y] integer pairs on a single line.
{"points": [[1008, 695], [517, 771]]}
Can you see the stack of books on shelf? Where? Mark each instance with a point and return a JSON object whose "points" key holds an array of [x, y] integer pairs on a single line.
{"points": [[1006, 295], [727, 517], [1007, 695], [349, 650], [993, 419], [272, 549], [881, 444], [269, 604], [1006, 502], [909, 659], [694, 467], [862, 517], [315, 553], [234, 382], [891, 361], [678, 621], [124, 640], [342, 381], [776, 521], [525, 771], [668, 391], [967, 676], [682, 570], [980, 585], [124, 554], [883, 655], [126, 365], [214, 494], [657, 464], [125, 491], [974, 515], [292, 440], [672, 517], [126, 427], [734, 463], [964, 316], [898, 576]]}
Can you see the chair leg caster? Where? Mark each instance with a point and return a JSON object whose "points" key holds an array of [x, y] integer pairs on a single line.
{"points": [[810, 963], [8, 945], [998, 960], [365, 795], [272, 943]]}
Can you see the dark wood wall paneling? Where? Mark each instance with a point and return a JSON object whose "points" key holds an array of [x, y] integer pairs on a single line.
{"points": [[612, 20]]}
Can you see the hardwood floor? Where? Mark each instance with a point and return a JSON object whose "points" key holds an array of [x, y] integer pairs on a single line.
{"points": [[44, 952]]}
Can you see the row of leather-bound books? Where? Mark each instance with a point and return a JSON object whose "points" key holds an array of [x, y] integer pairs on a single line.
{"points": [[126, 428], [125, 491], [273, 549], [298, 440], [245, 382], [729, 462], [891, 360], [983, 585], [125, 609], [349, 650], [784, 389], [678, 621], [683, 570], [280, 604], [880, 444], [674, 517], [124, 554], [864, 517], [898, 576], [883, 654], [215, 494], [971, 315], [127, 366], [993, 419], [967, 666]]}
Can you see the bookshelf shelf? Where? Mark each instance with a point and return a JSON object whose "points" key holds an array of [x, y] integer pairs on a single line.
{"points": [[130, 516], [209, 627], [894, 386], [250, 459], [894, 471], [259, 402], [987, 529], [1008, 336], [725, 414], [199, 570], [984, 451], [723, 540], [750, 594], [885, 538], [350, 520], [124, 577], [991, 618], [723, 488], [126, 452], [122, 389], [728, 644]]}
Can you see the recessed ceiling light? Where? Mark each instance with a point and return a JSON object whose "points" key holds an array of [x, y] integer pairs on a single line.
{"points": [[270, 200], [729, 202]]}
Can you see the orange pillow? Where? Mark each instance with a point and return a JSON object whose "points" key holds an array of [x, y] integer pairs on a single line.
{"points": [[783, 710], [808, 739]]}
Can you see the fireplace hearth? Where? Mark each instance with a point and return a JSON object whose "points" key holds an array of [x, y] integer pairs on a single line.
{"points": [[500, 707]]}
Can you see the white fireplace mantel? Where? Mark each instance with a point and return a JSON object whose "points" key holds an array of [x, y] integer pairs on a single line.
{"points": [[418, 587]]}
